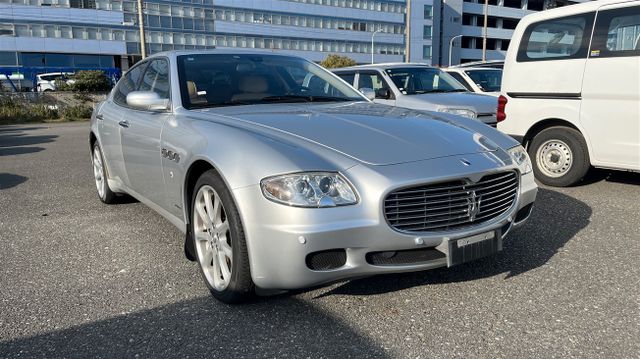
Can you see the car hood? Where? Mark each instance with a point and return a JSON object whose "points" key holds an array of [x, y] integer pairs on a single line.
{"points": [[481, 104], [369, 133]]}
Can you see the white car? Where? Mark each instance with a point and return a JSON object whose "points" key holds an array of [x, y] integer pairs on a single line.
{"points": [[482, 80], [47, 82], [571, 89]]}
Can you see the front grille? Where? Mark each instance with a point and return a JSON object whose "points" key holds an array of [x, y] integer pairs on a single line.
{"points": [[451, 205], [404, 257]]}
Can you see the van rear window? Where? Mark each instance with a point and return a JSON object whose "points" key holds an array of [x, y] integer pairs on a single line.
{"points": [[557, 39]]}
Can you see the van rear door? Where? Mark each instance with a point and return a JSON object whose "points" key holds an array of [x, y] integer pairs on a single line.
{"points": [[610, 110]]}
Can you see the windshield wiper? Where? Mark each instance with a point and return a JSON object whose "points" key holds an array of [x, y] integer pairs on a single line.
{"points": [[303, 98], [438, 91]]}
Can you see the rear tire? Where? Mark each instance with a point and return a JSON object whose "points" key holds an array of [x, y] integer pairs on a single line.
{"points": [[560, 156], [100, 176], [219, 241]]}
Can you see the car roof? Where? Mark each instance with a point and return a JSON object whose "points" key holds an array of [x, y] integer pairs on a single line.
{"points": [[458, 69], [176, 53], [383, 66]]}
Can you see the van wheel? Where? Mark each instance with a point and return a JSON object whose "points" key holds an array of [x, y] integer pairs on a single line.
{"points": [[560, 156], [219, 241]]}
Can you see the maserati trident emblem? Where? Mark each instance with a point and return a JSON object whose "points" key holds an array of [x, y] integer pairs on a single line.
{"points": [[473, 205], [465, 162]]}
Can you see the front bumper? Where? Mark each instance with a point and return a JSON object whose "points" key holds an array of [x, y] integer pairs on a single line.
{"points": [[279, 237]]}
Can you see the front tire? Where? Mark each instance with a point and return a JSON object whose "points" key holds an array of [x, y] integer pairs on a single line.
{"points": [[560, 156], [219, 241], [100, 176]]}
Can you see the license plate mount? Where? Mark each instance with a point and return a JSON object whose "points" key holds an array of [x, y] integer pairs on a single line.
{"points": [[470, 248]]}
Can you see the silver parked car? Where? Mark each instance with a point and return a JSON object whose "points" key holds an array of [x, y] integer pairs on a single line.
{"points": [[420, 87], [283, 176]]}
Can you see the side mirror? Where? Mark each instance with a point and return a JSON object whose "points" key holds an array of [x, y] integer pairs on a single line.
{"points": [[383, 93], [147, 100], [368, 93]]}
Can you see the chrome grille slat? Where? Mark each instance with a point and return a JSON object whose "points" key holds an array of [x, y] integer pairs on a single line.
{"points": [[479, 183], [462, 192], [451, 205]]}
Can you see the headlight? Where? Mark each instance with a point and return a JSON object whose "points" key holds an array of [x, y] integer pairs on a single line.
{"points": [[460, 112], [521, 158], [310, 189]]}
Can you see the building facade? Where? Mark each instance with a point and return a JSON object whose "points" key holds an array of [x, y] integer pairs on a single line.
{"points": [[59, 34], [46, 35]]}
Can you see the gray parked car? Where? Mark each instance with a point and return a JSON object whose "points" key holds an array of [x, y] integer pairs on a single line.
{"points": [[420, 87], [283, 176]]}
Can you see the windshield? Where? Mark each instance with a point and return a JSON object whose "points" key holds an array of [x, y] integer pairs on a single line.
{"points": [[487, 80], [216, 80], [411, 81]]}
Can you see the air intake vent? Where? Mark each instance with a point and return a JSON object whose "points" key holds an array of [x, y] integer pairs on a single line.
{"points": [[451, 205], [326, 260]]}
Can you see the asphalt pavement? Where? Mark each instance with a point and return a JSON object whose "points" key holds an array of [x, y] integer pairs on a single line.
{"points": [[79, 278]]}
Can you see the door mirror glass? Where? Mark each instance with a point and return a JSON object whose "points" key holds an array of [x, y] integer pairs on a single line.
{"points": [[383, 93], [147, 101], [368, 93]]}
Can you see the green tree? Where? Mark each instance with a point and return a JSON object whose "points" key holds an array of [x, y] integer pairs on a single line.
{"points": [[333, 61], [90, 80]]}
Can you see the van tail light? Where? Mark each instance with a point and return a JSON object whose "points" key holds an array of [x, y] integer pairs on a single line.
{"points": [[502, 104]]}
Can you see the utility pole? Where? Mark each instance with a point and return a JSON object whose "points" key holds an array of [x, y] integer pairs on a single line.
{"points": [[143, 37], [372, 35], [484, 31], [407, 50]]}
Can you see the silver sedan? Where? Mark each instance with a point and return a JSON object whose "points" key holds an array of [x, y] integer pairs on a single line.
{"points": [[283, 176]]}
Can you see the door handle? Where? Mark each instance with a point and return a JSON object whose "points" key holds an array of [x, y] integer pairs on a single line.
{"points": [[124, 123], [99, 117]]}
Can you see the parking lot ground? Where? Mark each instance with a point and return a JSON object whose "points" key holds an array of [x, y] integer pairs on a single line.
{"points": [[82, 279]]}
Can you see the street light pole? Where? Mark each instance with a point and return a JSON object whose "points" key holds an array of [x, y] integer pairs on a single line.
{"points": [[484, 31], [372, 35], [407, 51], [451, 47], [143, 45]]}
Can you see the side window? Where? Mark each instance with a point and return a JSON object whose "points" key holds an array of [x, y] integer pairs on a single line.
{"points": [[461, 80], [372, 81], [617, 33], [156, 78], [129, 82], [349, 78], [557, 39]]}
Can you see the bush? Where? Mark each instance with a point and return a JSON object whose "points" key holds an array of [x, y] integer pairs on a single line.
{"points": [[89, 81], [77, 112], [15, 112], [334, 61]]}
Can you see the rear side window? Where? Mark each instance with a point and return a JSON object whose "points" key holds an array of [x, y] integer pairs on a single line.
{"points": [[558, 39], [349, 78], [617, 33], [129, 82]]}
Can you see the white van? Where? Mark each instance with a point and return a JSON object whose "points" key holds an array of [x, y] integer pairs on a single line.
{"points": [[571, 89]]}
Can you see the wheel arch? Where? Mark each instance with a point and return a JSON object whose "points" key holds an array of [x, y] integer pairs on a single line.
{"points": [[547, 123], [194, 171]]}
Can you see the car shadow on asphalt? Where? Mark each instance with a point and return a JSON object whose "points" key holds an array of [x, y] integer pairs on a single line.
{"points": [[8, 180], [599, 174], [556, 219], [203, 327], [18, 141]]}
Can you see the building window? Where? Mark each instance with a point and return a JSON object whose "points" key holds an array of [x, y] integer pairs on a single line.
{"points": [[6, 30], [427, 32], [426, 52], [428, 11]]}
